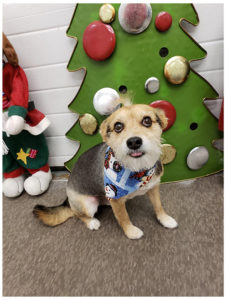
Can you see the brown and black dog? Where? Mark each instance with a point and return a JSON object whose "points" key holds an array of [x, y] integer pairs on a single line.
{"points": [[133, 133]]}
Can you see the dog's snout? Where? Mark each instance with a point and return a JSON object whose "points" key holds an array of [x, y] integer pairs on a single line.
{"points": [[134, 142]]}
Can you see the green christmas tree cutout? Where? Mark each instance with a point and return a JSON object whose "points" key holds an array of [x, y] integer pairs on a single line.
{"points": [[134, 60]]}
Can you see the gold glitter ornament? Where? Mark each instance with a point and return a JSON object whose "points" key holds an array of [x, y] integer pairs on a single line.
{"points": [[88, 124], [107, 13], [168, 153], [176, 69]]}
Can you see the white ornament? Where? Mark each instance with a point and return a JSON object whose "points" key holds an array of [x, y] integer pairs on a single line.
{"points": [[105, 101]]}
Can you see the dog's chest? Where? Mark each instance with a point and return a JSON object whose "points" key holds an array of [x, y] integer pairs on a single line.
{"points": [[144, 189], [123, 182]]}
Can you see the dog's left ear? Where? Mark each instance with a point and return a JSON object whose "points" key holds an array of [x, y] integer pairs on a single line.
{"points": [[104, 130], [161, 118]]}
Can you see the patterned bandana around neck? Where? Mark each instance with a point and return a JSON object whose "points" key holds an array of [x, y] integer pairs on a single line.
{"points": [[119, 181]]}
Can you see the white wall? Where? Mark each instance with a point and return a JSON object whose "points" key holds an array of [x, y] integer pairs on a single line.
{"points": [[38, 33]]}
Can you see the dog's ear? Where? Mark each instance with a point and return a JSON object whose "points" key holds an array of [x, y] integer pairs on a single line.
{"points": [[161, 118], [105, 129]]}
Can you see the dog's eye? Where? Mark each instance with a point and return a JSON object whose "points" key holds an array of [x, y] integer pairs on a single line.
{"points": [[118, 127], [147, 122]]}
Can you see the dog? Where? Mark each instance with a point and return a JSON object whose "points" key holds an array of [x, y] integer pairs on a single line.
{"points": [[125, 165]]}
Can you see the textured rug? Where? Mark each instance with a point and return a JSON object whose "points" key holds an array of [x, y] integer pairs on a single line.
{"points": [[70, 260]]}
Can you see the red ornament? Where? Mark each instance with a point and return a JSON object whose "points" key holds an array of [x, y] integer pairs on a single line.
{"points": [[99, 40], [163, 21], [221, 118], [168, 109]]}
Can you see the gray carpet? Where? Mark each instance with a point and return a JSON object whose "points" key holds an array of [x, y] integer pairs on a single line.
{"points": [[70, 260]]}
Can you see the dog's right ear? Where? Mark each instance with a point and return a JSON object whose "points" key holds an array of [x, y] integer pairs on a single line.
{"points": [[105, 130], [161, 118]]}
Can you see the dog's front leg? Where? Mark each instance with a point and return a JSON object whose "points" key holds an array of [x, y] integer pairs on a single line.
{"points": [[120, 212], [163, 218]]}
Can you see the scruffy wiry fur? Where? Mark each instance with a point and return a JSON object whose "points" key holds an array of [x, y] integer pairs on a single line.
{"points": [[131, 117], [85, 187]]}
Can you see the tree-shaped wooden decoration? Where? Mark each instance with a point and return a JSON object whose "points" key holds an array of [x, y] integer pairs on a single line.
{"points": [[138, 58]]}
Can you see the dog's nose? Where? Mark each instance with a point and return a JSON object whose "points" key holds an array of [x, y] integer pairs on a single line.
{"points": [[134, 142]]}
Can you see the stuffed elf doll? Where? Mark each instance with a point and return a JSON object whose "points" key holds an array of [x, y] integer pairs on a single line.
{"points": [[24, 145]]}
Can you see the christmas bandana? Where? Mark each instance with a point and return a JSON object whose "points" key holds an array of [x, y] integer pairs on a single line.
{"points": [[119, 181]]}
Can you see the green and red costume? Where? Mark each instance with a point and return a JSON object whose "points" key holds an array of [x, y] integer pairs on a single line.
{"points": [[28, 149]]}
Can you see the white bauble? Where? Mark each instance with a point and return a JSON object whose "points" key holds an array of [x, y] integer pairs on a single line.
{"points": [[105, 101]]}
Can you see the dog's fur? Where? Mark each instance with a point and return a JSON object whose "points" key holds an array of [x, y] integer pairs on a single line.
{"points": [[85, 188]]}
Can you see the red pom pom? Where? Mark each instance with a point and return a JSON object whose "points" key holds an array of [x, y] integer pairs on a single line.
{"points": [[99, 40], [168, 109], [163, 21]]}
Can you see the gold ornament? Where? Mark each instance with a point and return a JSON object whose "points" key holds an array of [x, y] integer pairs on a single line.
{"points": [[107, 13], [176, 69], [168, 154], [88, 124]]}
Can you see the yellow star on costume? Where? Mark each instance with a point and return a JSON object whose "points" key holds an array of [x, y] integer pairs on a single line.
{"points": [[22, 156]]}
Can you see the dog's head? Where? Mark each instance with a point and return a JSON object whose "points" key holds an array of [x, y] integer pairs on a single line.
{"points": [[134, 134]]}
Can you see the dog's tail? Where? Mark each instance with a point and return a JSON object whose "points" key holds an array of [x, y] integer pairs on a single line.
{"points": [[55, 215]]}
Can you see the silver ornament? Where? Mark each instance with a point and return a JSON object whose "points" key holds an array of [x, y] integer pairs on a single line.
{"points": [[135, 17], [218, 144], [197, 158], [105, 101], [152, 85]]}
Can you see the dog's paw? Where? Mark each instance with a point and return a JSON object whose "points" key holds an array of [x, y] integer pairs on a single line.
{"points": [[167, 221], [94, 224], [133, 232]]}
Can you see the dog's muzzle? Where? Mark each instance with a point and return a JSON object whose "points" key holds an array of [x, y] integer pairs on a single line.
{"points": [[134, 143]]}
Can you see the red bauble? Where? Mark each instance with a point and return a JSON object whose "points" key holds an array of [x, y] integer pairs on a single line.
{"points": [[99, 40], [221, 118], [163, 21], [168, 109]]}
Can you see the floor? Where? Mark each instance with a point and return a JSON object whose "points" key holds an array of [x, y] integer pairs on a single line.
{"points": [[70, 260]]}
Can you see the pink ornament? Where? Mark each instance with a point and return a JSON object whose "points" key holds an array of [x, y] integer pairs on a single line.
{"points": [[135, 17]]}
